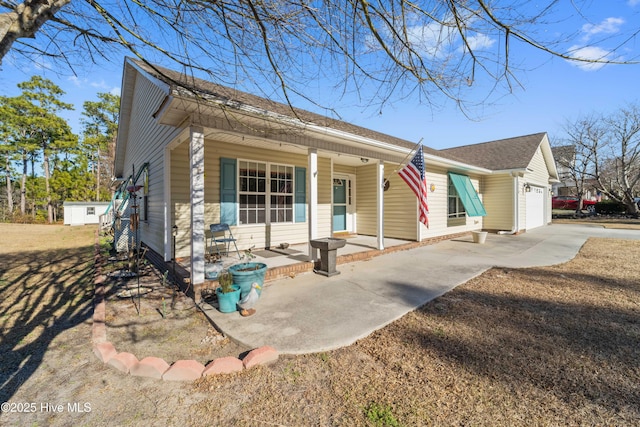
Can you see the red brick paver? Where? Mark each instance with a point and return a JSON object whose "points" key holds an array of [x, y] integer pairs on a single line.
{"points": [[123, 362], [104, 351], [152, 367], [224, 365], [184, 370], [260, 356]]}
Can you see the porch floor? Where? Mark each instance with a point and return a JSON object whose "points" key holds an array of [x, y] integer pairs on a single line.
{"points": [[295, 259]]}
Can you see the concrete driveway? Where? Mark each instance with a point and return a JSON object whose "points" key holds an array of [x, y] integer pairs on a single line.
{"points": [[312, 313]]}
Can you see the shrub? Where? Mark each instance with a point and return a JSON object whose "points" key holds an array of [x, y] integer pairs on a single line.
{"points": [[609, 207]]}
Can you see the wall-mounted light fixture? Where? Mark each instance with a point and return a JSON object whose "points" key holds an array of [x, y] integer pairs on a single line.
{"points": [[527, 188], [364, 160]]}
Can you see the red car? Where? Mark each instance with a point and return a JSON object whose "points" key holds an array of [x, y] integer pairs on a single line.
{"points": [[571, 203]]}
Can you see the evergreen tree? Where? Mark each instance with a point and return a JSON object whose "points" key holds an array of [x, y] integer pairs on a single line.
{"points": [[100, 123]]}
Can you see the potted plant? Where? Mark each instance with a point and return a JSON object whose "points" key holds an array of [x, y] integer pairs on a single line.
{"points": [[228, 293], [248, 272]]}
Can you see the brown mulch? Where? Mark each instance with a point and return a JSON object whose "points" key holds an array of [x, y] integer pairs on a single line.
{"points": [[546, 346]]}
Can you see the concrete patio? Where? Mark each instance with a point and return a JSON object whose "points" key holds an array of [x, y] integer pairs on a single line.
{"points": [[311, 313]]}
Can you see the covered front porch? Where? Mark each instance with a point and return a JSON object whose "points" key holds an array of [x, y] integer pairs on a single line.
{"points": [[296, 260], [270, 193]]}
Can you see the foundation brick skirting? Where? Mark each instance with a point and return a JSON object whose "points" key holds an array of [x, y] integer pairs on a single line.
{"points": [[155, 367]]}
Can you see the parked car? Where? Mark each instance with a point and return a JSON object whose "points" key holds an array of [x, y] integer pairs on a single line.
{"points": [[571, 202]]}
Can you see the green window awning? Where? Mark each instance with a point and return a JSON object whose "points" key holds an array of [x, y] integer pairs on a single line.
{"points": [[468, 195]]}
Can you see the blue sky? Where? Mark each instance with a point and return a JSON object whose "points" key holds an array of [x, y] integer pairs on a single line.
{"points": [[553, 91]]}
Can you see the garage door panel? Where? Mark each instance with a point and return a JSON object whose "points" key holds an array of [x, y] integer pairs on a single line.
{"points": [[535, 207]]}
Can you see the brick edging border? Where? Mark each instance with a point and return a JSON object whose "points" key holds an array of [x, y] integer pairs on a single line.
{"points": [[155, 367]]}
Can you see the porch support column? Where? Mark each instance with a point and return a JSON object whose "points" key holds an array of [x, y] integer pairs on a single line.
{"points": [[313, 200], [380, 204], [166, 167], [196, 155]]}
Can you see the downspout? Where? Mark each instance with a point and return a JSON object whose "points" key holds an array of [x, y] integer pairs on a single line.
{"points": [[516, 203]]}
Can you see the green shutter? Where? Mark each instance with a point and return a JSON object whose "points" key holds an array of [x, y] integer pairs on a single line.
{"points": [[300, 195], [228, 203], [470, 199]]}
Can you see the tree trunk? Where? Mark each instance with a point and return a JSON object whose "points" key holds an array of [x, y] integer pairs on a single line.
{"points": [[9, 187], [98, 176], [47, 176], [23, 185]]}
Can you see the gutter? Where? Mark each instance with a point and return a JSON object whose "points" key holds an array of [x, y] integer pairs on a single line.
{"points": [[516, 203], [326, 131]]}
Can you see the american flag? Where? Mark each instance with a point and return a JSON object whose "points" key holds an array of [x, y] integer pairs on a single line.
{"points": [[413, 175]]}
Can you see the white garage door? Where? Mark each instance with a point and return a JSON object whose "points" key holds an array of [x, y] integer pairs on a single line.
{"points": [[535, 207]]}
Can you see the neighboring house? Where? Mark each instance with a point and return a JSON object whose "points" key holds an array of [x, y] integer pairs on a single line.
{"points": [[82, 213], [565, 157], [565, 160], [280, 175]]}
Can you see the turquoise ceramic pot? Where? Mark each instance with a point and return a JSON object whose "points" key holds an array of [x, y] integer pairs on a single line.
{"points": [[245, 274], [227, 303]]}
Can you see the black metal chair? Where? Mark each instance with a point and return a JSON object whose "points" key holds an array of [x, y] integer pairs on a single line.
{"points": [[221, 235]]}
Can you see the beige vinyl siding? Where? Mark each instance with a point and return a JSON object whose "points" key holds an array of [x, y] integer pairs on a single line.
{"points": [[438, 205], [344, 169], [437, 202], [498, 201], [400, 207], [325, 198], [181, 198], [366, 199], [538, 174], [537, 171], [399, 218], [146, 143]]}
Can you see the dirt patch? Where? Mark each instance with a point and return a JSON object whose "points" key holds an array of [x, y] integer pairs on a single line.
{"points": [[555, 345], [162, 321]]}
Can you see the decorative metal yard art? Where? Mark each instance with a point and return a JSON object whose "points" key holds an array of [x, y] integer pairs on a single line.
{"points": [[135, 225]]}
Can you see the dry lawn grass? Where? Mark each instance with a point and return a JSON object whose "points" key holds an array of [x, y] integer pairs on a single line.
{"points": [[545, 346]]}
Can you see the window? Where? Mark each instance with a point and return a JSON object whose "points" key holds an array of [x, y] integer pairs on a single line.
{"points": [[260, 192], [281, 193], [456, 214], [252, 194], [91, 210]]}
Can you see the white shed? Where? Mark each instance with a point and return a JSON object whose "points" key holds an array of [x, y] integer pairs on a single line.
{"points": [[81, 213]]}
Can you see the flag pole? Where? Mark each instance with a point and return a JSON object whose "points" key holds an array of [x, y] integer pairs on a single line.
{"points": [[413, 150]]}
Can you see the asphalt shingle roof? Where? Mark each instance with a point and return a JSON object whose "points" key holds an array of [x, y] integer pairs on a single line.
{"points": [[510, 153], [177, 80]]}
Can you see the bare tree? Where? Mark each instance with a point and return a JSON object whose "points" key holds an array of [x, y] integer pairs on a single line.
{"points": [[377, 48], [584, 138], [606, 155], [619, 163]]}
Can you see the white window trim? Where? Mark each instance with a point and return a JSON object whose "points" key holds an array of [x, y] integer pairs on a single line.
{"points": [[459, 202], [267, 193]]}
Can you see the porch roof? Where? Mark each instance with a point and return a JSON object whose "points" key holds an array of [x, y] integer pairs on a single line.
{"points": [[191, 100]]}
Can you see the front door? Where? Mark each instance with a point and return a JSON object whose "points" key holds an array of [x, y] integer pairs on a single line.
{"points": [[343, 217]]}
